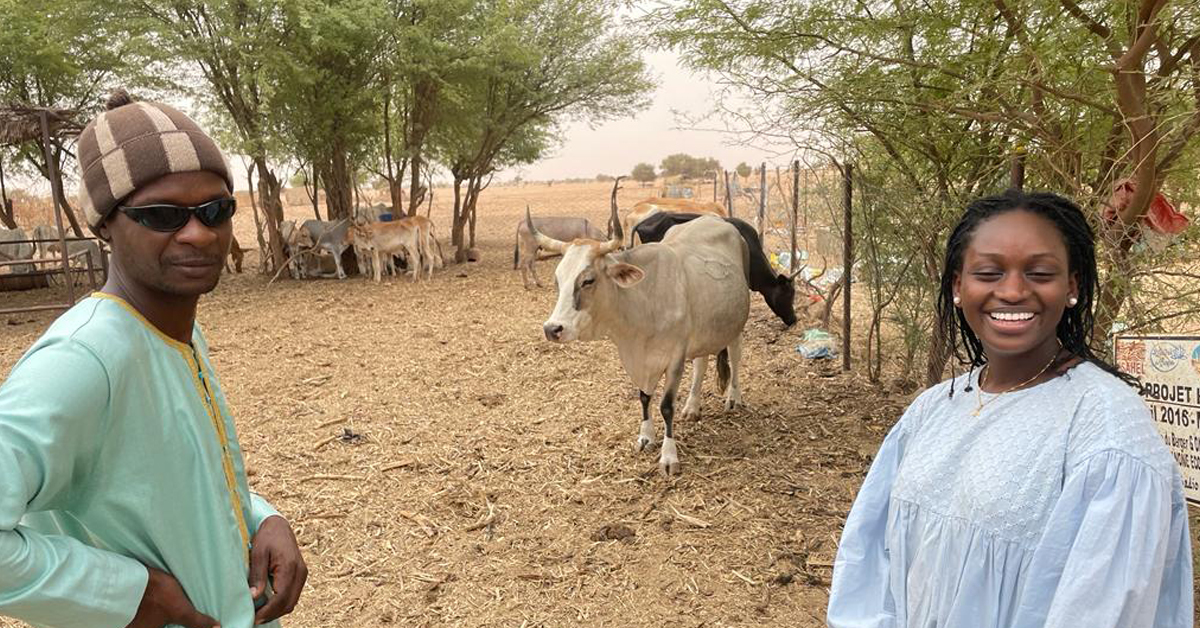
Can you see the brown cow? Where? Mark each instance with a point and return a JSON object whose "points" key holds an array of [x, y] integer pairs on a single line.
{"points": [[644, 209]]}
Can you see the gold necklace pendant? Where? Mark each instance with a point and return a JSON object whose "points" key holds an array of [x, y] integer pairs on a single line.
{"points": [[983, 377]]}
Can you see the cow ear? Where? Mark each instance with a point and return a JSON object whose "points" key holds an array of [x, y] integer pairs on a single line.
{"points": [[626, 275]]}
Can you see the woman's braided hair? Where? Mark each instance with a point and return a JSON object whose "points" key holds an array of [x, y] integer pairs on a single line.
{"points": [[1075, 328]]}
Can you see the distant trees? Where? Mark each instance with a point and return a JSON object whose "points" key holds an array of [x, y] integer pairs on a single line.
{"points": [[643, 173], [743, 169], [688, 167]]}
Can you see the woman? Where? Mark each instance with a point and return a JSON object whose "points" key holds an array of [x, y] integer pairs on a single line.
{"points": [[1034, 490]]}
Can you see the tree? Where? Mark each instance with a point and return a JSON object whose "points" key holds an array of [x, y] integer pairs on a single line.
{"points": [[688, 167], [743, 170], [937, 98], [321, 102], [539, 63], [230, 42], [643, 173], [60, 54]]}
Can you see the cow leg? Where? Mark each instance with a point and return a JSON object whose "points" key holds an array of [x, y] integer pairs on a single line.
{"points": [[524, 275], [668, 460], [337, 261], [646, 433], [377, 265], [691, 410], [532, 259], [414, 262], [733, 396]]}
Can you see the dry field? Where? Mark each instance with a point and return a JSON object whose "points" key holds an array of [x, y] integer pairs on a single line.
{"points": [[444, 465]]}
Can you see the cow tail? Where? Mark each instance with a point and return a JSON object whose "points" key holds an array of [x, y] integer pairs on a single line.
{"points": [[723, 370], [516, 249]]}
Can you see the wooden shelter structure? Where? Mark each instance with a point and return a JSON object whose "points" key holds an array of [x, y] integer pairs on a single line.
{"points": [[20, 124]]}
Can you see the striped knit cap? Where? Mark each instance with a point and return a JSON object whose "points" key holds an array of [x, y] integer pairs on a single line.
{"points": [[132, 144]]}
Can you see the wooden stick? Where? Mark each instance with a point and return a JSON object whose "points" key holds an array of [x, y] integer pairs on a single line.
{"points": [[699, 523], [325, 476], [398, 465]]}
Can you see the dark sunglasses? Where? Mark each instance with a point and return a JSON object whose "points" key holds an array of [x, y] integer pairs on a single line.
{"points": [[170, 218]]}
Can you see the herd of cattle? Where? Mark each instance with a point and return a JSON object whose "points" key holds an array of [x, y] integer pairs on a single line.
{"points": [[681, 294], [42, 243], [677, 291], [377, 244]]}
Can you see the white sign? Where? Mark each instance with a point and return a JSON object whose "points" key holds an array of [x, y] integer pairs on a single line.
{"points": [[1169, 370]]}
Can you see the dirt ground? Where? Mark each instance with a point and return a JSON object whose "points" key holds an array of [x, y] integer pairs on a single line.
{"points": [[444, 465]]}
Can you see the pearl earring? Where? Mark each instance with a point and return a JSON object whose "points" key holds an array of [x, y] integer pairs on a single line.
{"points": [[1072, 301], [957, 300]]}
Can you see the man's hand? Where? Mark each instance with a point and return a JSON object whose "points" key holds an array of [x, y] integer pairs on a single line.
{"points": [[275, 553], [164, 602]]}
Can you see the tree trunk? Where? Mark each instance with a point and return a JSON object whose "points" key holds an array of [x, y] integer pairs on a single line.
{"points": [[339, 199], [268, 198], [474, 205], [466, 219], [1115, 288], [313, 187], [258, 225], [6, 206], [56, 155], [424, 93], [935, 360], [456, 228], [392, 178]]}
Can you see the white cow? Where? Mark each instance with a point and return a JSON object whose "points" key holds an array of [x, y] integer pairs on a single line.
{"points": [[11, 251], [663, 304]]}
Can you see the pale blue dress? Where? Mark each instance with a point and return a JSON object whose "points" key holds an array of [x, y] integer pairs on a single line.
{"points": [[1058, 506]]}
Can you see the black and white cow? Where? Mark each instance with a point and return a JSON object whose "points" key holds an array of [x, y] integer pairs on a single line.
{"points": [[777, 290]]}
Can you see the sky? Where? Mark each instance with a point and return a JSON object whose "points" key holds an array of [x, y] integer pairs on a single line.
{"points": [[614, 148]]}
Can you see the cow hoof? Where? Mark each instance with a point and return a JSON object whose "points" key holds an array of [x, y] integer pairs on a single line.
{"points": [[668, 461], [690, 414], [642, 444], [733, 401]]}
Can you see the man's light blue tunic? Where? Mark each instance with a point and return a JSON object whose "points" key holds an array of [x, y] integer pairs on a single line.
{"points": [[1059, 506], [117, 450]]}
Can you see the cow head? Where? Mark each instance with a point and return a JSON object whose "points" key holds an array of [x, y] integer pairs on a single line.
{"points": [[586, 276], [780, 297], [304, 238]]}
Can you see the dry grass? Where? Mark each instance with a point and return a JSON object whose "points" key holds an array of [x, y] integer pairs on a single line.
{"points": [[443, 465]]}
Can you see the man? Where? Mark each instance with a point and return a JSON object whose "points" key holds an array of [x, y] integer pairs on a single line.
{"points": [[123, 495]]}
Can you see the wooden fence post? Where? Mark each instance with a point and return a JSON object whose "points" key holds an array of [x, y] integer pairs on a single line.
{"points": [[56, 196], [847, 264], [762, 199], [728, 196], [795, 212]]}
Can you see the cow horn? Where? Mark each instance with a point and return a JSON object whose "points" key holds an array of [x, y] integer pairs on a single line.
{"points": [[546, 242], [797, 273], [616, 237]]}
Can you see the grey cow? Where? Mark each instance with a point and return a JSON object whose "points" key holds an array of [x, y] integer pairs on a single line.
{"points": [[325, 235], [51, 248], [10, 251], [564, 228]]}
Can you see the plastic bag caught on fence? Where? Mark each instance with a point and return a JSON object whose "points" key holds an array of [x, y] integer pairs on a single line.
{"points": [[817, 344]]}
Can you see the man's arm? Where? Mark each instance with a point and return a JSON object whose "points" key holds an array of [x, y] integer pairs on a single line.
{"points": [[51, 419]]}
